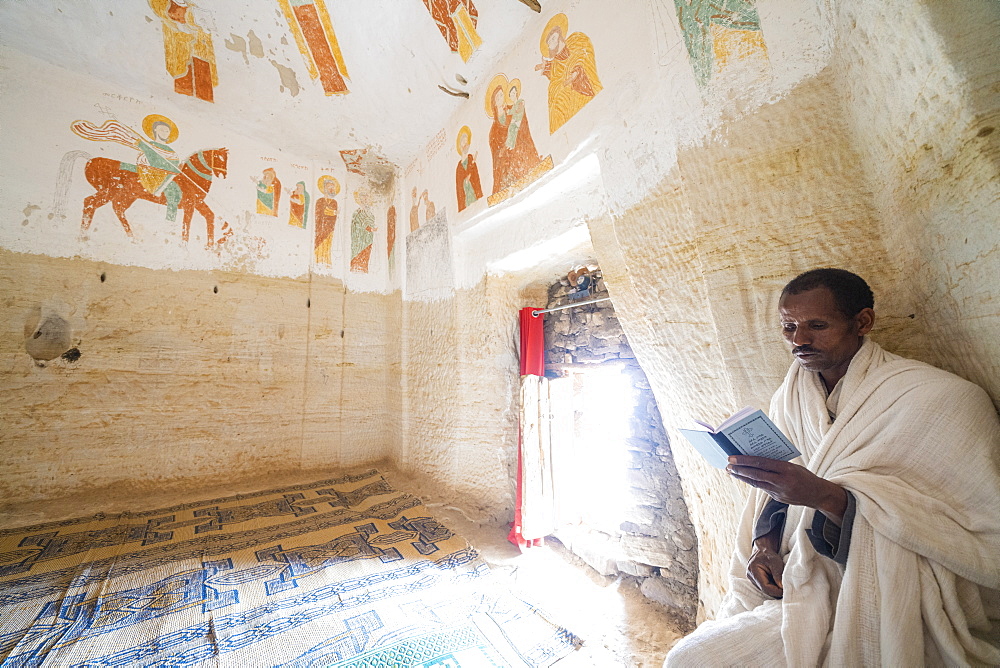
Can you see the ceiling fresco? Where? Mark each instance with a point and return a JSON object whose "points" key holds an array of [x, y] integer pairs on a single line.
{"points": [[350, 74]]}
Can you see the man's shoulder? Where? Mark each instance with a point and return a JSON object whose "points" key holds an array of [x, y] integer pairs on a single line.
{"points": [[905, 375]]}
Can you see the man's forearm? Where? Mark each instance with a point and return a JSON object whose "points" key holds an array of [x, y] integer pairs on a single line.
{"points": [[770, 540], [833, 502]]}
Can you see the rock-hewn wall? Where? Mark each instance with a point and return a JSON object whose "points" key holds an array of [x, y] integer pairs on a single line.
{"points": [[186, 377], [821, 177], [655, 541]]}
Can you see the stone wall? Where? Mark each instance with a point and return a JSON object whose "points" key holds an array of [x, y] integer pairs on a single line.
{"points": [[655, 541]]}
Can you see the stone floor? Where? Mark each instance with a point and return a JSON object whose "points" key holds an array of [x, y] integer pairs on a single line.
{"points": [[619, 625]]}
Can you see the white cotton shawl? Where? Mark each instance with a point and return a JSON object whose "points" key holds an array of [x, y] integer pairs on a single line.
{"points": [[919, 448]]}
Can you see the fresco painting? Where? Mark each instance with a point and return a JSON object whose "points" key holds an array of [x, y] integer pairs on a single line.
{"points": [[516, 162], [362, 231], [569, 64], [190, 56], [354, 160], [430, 210], [468, 188], [157, 176], [390, 238], [414, 210], [717, 32], [457, 21], [298, 206], [313, 31], [326, 218], [268, 193]]}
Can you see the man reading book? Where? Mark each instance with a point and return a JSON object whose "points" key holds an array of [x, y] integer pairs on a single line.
{"points": [[880, 544]]}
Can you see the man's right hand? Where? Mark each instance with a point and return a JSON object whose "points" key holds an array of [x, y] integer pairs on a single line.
{"points": [[765, 568]]}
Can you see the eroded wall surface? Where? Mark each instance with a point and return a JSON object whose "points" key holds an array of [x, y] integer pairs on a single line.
{"points": [[186, 378]]}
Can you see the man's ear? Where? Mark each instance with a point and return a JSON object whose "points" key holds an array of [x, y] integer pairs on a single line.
{"points": [[866, 320]]}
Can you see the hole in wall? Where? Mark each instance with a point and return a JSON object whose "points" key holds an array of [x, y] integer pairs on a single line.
{"points": [[47, 334], [72, 355], [215, 290], [104, 277]]}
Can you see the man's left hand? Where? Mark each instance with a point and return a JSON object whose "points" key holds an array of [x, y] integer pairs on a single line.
{"points": [[790, 483]]}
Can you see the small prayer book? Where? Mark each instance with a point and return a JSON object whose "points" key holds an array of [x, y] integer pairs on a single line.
{"points": [[747, 432]]}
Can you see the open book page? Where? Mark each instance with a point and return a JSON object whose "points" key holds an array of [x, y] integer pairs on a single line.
{"points": [[756, 435], [732, 419], [747, 432], [737, 417]]}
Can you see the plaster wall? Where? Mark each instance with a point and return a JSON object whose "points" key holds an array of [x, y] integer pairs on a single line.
{"points": [[922, 105], [837, 173], [180, 385]]}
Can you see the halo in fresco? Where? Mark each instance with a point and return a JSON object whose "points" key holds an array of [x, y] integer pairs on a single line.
{"points": [[149, 121], [325, 182]]}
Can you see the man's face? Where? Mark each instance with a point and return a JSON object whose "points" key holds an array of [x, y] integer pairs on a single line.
{"points": [[821, 337], [554, 41]]}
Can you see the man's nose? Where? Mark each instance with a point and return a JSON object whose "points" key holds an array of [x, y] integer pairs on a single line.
{"points": [[800, 337]]}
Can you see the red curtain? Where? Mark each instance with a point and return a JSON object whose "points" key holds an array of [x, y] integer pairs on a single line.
{"points": [[532, 363]]}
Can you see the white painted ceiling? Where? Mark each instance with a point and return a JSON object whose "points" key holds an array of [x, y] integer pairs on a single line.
{"points": [[394, 53]]}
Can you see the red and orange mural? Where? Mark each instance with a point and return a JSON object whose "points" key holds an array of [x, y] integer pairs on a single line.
{"points": [[158, 174], [326, 218], [188, 48], [313, 31], [516, 162], [468, 188], [298, 206], [568, 63], [390, 237], [354, 160], [414, 210], [457, 20]]}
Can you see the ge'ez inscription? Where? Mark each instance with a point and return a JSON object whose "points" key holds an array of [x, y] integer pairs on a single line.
{"points": [[760, 444]]}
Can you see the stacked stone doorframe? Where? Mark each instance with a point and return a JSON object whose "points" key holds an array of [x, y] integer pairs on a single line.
{"points": [[655, 543]]}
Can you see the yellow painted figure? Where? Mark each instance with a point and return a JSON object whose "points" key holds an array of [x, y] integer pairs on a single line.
{"points": [[188, 48], [568, 63], [326, 218]]}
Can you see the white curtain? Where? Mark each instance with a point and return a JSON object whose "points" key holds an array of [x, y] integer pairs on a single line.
{"points": [[538, 494]]}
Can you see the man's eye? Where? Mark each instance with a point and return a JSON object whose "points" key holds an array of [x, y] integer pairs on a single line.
{"points": [[818, 325], [788, 327]]}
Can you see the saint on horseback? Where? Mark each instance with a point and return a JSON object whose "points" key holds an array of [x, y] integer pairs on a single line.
{"points": [[158, 175]]}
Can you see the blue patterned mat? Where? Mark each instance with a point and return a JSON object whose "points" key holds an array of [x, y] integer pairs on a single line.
{"points": [[342, 572]]}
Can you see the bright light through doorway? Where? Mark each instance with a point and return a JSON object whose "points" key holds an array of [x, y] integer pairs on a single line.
{"points": [[603, 404]]}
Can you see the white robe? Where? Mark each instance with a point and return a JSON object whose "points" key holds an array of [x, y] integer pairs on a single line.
{"points": [[919, 448]]}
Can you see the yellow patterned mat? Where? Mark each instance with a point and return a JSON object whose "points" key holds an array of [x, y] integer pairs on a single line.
{"points": [[341, 572]]}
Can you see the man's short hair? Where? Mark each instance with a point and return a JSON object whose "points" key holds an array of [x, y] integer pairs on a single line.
{"points": [[850, 292]]}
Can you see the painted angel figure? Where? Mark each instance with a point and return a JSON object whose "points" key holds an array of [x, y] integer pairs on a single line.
{"points": [[568, 63]]}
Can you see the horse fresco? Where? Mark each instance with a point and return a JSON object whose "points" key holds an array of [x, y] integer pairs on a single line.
{"points": [[118, 183], [158, 175]]}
